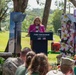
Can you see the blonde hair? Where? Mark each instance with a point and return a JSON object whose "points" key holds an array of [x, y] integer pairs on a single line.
{"points": [[38, 19]]}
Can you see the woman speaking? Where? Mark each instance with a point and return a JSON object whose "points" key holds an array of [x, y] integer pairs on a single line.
{"points": [[36, 27]]}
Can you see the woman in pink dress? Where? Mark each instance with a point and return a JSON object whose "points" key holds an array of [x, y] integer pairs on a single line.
{"points": [[36, 27]]}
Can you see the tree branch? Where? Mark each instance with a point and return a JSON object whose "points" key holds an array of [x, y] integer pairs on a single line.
{"points": [[73, 2], [4, 13], [1, 11]]}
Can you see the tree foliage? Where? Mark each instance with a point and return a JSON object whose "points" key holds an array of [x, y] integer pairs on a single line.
{"points": [[3, 10], [56, 20], [30, 16]]}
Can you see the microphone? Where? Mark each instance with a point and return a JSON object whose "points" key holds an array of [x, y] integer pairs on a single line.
{"points": [[38, 28]]}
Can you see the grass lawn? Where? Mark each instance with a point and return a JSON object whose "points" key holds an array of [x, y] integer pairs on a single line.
{"points": [[25, 42]]}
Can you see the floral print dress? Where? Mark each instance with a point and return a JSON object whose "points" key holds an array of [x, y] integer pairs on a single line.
{"points": [[67, 38]]}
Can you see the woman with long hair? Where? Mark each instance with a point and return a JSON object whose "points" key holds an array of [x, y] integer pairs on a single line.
{"points": [[22, 70], [36, 26], [39, 65]]}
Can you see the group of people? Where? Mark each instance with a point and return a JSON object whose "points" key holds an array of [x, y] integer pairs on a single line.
{"points": [[31, 63], [28, 63]]}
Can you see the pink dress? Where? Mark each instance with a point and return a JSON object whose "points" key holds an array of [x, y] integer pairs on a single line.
{"points": [[32, 28]]}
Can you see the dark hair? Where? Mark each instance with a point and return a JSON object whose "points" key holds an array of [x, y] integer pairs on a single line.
{"points": [[69, 21], [25, 51], [75, 63], [29, 57], [39, 64]]}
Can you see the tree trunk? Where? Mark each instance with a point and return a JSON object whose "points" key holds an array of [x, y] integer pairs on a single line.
{"points": [[46, 12], [73, 2], [64, 11], [20, 5]]}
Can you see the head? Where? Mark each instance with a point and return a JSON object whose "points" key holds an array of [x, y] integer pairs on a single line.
{"points": [[74, 57], [39, 64], [68, 25], [69, 22], [29, 57], [24, 52], [37, 21], [66, 65]]}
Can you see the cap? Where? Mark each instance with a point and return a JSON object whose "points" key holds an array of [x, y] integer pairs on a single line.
{"points": [[67, 61]]}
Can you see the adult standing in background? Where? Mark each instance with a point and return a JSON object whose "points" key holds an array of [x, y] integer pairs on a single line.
{"points": [[36, 27]]}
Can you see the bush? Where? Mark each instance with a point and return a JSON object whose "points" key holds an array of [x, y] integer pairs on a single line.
{"points": [[56, 19], [1, 64]]}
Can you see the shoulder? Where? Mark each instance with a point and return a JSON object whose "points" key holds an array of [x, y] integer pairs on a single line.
{"points": [[22, 67], [42, 25], [9, 66], [10, 59], [54, 72], [32, 25], [10, 63], [20, 70], [35, 73]]}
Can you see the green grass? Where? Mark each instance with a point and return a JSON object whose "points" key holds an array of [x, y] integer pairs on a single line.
{"points": [[52, 58], [3, 40], [25, 42]]}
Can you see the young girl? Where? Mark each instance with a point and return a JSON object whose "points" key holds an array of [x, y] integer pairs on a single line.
{"points": [[39, 65]]}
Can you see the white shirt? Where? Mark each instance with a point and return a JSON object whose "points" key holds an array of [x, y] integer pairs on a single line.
{"points": [[55, 72]]}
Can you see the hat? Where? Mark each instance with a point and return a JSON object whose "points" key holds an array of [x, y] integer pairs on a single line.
{"points": [[67, 61]]}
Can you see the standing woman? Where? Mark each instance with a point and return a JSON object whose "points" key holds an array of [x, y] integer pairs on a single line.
{"points": [[36, 27]]}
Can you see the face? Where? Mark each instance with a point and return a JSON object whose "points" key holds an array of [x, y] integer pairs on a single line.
{"points": [[37, 21], [68, 26]]}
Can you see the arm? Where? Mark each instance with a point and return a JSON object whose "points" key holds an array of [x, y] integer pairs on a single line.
{"points": [[43, 28], [29, 29]]}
